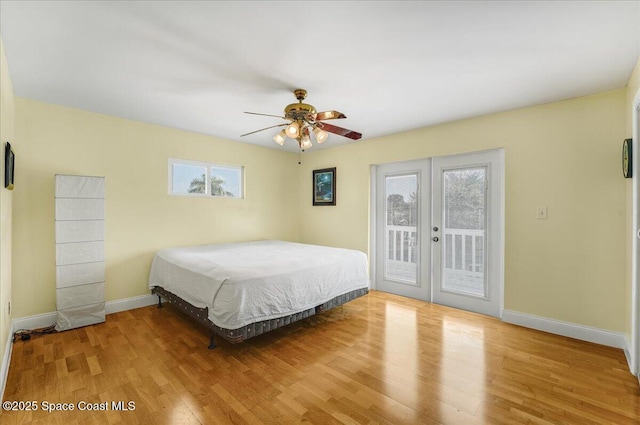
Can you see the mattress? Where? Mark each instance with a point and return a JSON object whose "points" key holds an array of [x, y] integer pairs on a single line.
{"points": [[248, 282]]}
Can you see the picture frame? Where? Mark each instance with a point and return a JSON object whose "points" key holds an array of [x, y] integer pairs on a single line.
{"points": [[9, 166], [324, 187]]}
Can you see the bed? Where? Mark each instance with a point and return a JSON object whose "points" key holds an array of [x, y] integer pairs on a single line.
{"points": [[241, 290]]}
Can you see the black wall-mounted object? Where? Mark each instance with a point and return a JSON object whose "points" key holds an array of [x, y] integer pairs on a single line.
{"points": [[627, 158], [9, 163]]}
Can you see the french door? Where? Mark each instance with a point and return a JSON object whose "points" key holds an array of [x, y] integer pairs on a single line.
{"points": [[467, 232], [402, 206], [439, 230]]}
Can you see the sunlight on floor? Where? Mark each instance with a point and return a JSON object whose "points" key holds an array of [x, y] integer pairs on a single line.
{"points": [[462, 372], [400, 356]]}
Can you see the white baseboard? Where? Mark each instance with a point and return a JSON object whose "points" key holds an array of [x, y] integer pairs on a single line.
{"points": [[627, 353], [4, 372], [571, 330], [47, 319], [130, 303], [33, 322]]}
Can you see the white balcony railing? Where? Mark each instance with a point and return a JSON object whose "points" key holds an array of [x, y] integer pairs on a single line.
{"points": [[464, 249], [401, 243]]}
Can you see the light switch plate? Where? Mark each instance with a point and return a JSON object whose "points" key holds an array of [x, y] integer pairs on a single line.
{"points": [[542, 213]]}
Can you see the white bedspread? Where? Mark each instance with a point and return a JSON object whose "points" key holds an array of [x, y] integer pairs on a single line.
{"points": [[248, 282]]}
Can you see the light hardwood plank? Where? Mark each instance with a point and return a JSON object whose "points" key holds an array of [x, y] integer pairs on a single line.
{"points": [[381, 359]]}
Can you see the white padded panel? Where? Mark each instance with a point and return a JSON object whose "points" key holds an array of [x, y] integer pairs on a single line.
{"points": [[79, 209], [76, 296], [79, 187], [79, 231], [80, 267], [81, 252], [80, 316], [79, 274]]}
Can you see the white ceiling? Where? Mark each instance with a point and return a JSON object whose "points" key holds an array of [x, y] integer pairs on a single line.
{"points": [[389, 66]]}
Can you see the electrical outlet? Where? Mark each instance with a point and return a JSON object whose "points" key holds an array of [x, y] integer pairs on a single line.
{"points": [[542, 213]]}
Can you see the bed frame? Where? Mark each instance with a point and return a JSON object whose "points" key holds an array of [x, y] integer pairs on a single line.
{"points": [[234, 336]]}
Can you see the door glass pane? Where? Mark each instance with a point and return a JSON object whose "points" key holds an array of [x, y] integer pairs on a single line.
{"points": [[401, 231], [464, 230]]}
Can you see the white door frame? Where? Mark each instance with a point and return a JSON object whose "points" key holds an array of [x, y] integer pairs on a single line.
{"points": [[634, 344], [373, 218]]}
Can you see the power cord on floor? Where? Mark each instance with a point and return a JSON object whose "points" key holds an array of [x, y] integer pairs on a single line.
{"points": [[26, 334]]}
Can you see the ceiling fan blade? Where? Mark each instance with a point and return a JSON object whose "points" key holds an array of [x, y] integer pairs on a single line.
{"points": [[265, 115], [266, 128], [328, 115], [340, 131]]}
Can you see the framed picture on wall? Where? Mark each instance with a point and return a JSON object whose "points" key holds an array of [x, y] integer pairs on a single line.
{"points": [[324, 186], [9, 163]]}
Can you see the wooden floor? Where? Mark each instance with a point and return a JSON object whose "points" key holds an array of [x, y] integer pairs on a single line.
{"points": [[381, 359]]}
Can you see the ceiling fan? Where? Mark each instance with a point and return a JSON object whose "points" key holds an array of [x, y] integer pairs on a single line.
{"points": [[304, 120]]}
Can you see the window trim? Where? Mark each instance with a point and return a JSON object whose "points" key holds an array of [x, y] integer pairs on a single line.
{"points": [[207, 181]]}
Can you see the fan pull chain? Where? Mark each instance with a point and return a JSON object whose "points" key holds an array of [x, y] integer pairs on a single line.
{"points": [[299, 156]]}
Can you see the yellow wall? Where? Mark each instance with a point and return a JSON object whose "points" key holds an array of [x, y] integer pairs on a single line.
{"points": [[565, 156], [140, 216], [6, 135]]}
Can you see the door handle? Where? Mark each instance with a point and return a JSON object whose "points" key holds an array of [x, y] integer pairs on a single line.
{"points": [[435, 239]]}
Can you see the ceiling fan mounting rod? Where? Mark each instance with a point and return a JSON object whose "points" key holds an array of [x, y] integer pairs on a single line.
{"points": [[300, 94]]}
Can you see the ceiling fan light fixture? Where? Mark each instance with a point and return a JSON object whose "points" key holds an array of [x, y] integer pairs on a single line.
{"points": [[293, 130], [302, 119], [305, 142], [280, 138], [321, 135]]}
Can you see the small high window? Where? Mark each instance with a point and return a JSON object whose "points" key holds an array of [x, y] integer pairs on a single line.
{"points": [[194, 178]]}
